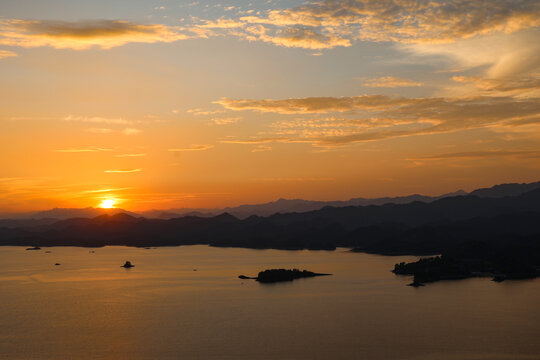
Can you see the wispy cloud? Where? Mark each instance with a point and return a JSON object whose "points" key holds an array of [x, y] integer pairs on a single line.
{"points": [[526, 154], [264, 140], [131, 131], [223, 24], [261, 148], [497, 55], [299, 37], [97, 120], [314, 25], [332, 23], [168, 197], [381, 117], [522, 87], [14, 190], [294, 179], [123, 171], [126, 131], [226, 121], [81, 35], [312, 104], [6, 54], [104, 190], [199, 112], [131, 155], [391, 82], [100, 130], [84, 150], [192, 148]]}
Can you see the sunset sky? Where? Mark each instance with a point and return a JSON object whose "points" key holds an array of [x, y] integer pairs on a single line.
{"points": [[168, 104]]}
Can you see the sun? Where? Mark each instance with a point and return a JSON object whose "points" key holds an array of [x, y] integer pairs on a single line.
{"points": [[107, 204]]}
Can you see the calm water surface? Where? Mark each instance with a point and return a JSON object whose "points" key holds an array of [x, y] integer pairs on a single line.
{"points": [[91, 308]]}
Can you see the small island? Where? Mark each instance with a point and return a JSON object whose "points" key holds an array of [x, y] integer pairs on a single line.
{"points": [[279, 275], [127, 265], [446, 267]]}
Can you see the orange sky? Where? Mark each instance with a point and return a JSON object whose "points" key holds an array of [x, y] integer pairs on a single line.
{"points": [[165, 104]]}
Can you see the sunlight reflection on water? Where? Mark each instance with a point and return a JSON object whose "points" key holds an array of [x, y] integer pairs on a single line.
{"points": [[90, 308]]}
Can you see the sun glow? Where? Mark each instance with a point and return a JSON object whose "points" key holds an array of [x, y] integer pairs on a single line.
{"points": [[107, 204]]}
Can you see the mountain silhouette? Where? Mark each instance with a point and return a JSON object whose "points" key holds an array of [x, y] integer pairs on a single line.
{"points": [[265, 209], [489, 234], [66, 213], [503, 190], [291, 205], [416, 227]]}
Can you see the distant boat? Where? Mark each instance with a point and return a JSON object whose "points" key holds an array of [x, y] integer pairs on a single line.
{"points": [[127, 265]]}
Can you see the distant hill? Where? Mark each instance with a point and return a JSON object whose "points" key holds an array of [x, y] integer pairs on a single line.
{"points": [[66, 213], [56, 214], [401, 227], [503, 190], [19, 223], [290, 205], [265, 209], [300, 205]]}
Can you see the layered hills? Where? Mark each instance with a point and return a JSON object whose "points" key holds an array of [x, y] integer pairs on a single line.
{"points": [[493, 226]]}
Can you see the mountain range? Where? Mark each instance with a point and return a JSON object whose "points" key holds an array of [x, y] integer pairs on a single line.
{"points": [[414, 227], [265, 209], [493, 231]]}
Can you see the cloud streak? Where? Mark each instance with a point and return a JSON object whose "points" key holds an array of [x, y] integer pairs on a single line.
{"points": [[332, 23], [300, 37], [131, 131], [391, 82], [97, 120], [107, 131], [226, 121], [4, 54], [131, 155], [315, 25], [381, 117], [84, 150], [527, 154], [100, 130], [521, 87], [104, 190], [261, 148], [192, 148], [312, 104], [82, 35], [122, 171]]}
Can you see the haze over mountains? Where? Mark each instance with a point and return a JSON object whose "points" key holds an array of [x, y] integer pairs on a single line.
{"points": [[265, 209], [328, 227], [292, 205], [56, 214]]}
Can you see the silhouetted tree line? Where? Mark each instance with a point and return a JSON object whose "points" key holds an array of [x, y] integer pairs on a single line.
{"points": [[276, 275]]}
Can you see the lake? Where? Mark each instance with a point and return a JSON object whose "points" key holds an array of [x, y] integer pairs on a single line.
{"points": [[188, 303]]}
